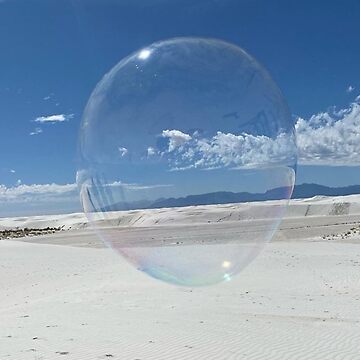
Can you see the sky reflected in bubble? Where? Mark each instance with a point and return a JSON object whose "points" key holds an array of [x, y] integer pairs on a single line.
{"points": [[177, 140]]}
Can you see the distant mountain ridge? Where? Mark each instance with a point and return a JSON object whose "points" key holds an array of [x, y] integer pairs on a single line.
{"points": [[300, 191], [310, 190], [226, 197]]}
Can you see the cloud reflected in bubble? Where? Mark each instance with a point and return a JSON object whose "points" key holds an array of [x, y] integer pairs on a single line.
{"points": [[187, 151]]}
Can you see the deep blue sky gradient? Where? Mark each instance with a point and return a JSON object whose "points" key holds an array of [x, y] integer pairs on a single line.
{"points": [[63, 48]]}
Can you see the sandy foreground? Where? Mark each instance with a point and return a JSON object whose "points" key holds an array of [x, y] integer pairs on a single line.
{"points": [[66, 296]]}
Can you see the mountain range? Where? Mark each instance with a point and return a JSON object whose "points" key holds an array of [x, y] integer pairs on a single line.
{"points": [[226, 197]]}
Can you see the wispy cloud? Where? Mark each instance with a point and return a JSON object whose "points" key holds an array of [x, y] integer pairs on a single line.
{"points": [[135, 186], [37, 131], [54, 118], [350, 89], [50, 119], [12, 171]]}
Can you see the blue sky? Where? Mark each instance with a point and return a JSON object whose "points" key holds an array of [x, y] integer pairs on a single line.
{"points": [[54, 52]]}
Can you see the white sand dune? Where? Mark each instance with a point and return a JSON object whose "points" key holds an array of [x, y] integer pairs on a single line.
{"points": [[316, 206], [65, 296]]}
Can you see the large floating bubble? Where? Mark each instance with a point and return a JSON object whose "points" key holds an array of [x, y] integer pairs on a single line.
{"points": [[177, 142]]}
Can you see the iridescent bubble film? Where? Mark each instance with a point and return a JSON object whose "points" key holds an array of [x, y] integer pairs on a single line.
{"points": [[188, 159]]}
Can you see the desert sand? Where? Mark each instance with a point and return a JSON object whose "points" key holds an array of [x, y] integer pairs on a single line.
{"points": [[66, 296]]}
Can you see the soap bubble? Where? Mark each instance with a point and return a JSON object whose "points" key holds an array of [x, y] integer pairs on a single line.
{"points": [[180, 144]]}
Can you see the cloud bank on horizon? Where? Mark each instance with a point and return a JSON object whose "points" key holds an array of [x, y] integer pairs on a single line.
{"points": [[42, 193], [329, 138]]}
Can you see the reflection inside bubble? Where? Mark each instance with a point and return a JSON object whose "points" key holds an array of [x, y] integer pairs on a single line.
{"points": [[188, 160]]}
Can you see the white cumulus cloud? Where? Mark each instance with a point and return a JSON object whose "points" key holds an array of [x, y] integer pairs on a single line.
{"points": [[176, 138], [330, 138], [229, 150], [151, 151], [123, 151]]}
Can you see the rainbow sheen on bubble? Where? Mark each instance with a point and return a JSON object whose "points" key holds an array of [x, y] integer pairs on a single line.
{"points": [[188, 159]]}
